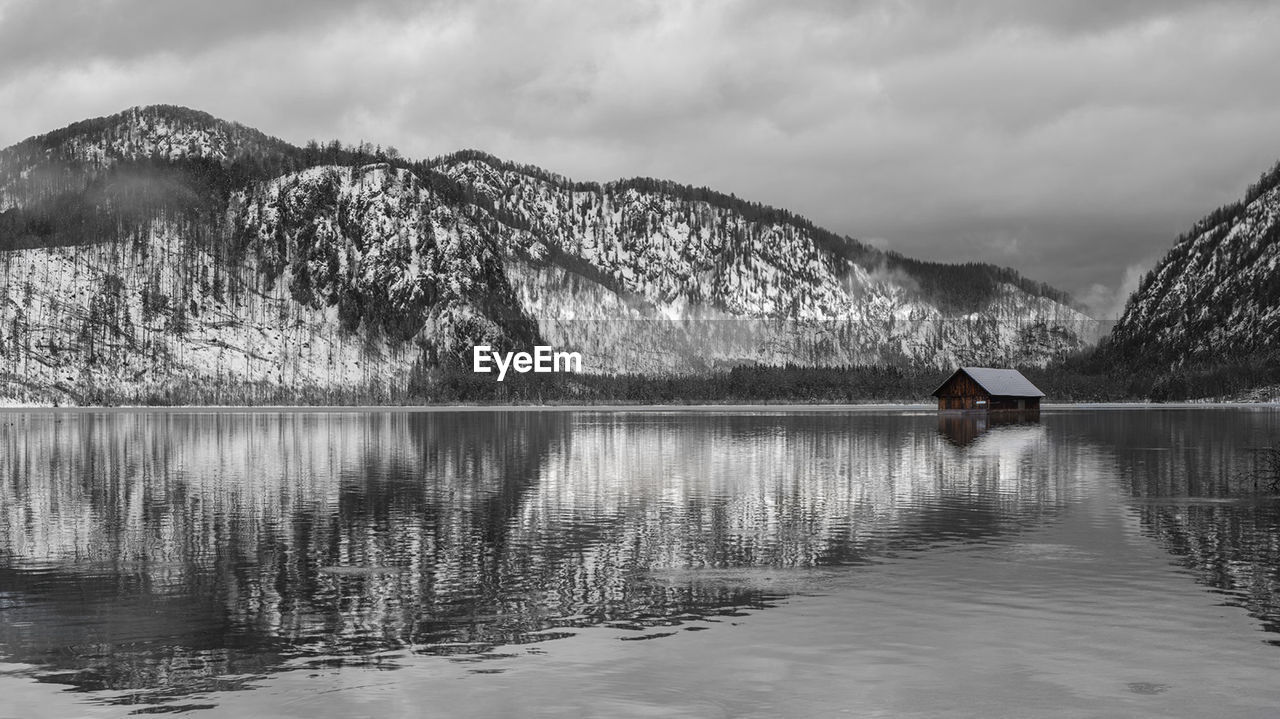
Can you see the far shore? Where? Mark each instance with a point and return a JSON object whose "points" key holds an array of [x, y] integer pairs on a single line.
{"points": [[737, 407]]}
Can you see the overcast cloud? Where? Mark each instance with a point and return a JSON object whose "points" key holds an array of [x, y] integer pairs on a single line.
{"points": [[1072, 141]]}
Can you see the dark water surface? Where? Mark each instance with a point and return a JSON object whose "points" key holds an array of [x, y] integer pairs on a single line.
{"points": [[1091, 563]]}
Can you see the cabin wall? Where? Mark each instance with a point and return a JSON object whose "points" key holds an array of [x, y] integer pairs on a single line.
{"points": [[963, 393], [1015, 403]]}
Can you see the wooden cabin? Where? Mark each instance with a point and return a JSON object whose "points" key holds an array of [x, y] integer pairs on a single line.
{"points": [[984, 388]]}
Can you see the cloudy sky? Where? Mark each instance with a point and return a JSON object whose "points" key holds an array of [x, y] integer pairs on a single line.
{"points": [[1072, 141]]}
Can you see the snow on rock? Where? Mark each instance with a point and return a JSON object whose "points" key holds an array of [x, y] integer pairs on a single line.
{"points": [[1215, 296], [356, 277], [646, 281], [89, 323]]}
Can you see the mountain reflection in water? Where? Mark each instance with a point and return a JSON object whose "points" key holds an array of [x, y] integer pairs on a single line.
{"points": [[1190, 474], [172, 553]]}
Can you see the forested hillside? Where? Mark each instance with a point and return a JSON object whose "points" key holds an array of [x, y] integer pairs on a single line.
{"points": [[1206, 320], [164, 255]]}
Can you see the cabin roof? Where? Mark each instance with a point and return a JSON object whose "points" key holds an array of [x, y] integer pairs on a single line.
{"points": [[997, 382]]}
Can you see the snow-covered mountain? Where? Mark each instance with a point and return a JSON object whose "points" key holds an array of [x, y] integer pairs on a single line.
{"points": [[705, 281], [1214, 299], [73, 157], [164, 254]]}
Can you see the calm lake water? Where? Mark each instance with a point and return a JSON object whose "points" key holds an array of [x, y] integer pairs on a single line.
{"points": [[1109, 562]]}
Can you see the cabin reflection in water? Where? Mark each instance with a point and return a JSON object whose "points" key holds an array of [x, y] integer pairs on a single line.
{"points": [[962, 428]]}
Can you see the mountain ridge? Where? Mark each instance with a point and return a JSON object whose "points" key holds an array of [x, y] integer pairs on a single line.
{"points": [[1215, 263], [841, 245], [1205, 321], [388, 257]]}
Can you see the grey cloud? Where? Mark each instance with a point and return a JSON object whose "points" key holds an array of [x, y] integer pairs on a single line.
{"points": [[1091, 132], [33, 33], [1070, 17]]}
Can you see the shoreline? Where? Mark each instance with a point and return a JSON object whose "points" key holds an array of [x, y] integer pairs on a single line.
{"points": [[655, 408]]}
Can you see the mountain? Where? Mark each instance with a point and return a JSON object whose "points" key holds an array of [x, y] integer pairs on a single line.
{"points": [[705, 280], [1206, 318], [161, 254]]}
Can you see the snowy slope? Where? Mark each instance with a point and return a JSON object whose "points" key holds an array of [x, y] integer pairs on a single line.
{"points": [[1216, 296], [69, 158], [112, 322], [703, 286], [162, 254]]}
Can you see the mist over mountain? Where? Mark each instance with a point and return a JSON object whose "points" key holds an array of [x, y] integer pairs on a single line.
{"points": [[162, 254]]}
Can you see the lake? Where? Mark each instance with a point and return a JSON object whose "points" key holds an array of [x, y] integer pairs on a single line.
{"points": [[708, 563]]}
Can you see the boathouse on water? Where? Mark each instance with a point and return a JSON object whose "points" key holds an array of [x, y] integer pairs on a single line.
{"points": [[983, 388]]}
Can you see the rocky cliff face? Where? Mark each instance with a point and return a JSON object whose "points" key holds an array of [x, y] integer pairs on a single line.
{"points": [[703, 281], [1215, 298], [161, 251]]}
